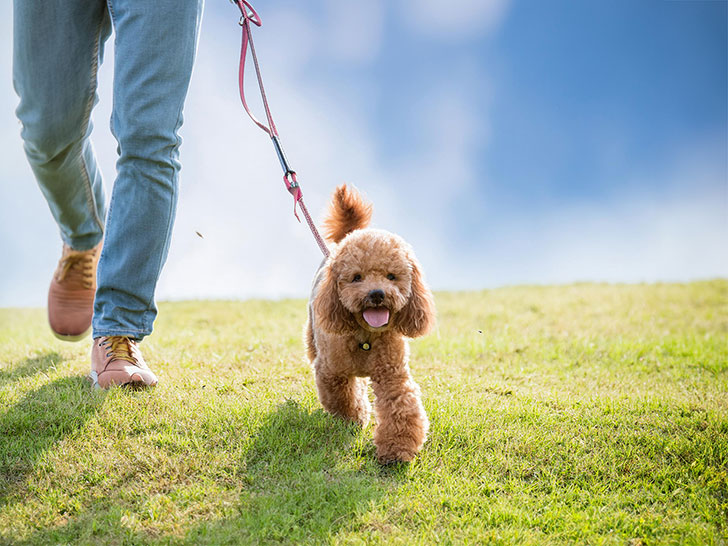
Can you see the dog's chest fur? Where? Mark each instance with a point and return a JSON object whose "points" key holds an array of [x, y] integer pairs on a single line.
{"points": [[363, 354], [346, 355]]}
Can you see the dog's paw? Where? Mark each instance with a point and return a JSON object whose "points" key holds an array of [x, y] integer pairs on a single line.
{"points": [[387, 455]]}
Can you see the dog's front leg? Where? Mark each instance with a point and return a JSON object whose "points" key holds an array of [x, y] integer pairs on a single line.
{"points": [[401, 420]]}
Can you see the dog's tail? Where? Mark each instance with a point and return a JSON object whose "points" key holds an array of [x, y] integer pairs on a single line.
{"points": [[348, 211]]}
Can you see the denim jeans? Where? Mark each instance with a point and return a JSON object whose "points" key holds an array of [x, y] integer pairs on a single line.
{"points": [[58, 46]]}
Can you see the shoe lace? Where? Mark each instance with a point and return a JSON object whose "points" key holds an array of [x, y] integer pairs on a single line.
{"points": [[120, 348], [81, 263]]}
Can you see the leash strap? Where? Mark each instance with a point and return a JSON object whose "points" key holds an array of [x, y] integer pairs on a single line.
{"points": [[248, 15]]}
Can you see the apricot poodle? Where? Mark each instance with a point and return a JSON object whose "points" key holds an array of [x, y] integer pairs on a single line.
{"points": [[369, 296]]}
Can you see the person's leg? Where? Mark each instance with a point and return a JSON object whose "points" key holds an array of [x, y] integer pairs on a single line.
{"points": [[57, 48], [155, 49]]}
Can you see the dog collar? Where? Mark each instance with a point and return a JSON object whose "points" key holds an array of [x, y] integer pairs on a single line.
{"points": [[365, 346]]}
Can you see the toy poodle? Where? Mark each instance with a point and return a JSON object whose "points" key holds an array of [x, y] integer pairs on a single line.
{"points": [[368, 296]]}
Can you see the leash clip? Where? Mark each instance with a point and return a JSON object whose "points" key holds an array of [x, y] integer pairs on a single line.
{"points": [[291, 182], [289, 175]]}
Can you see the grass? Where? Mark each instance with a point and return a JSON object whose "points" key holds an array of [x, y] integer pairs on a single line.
{"points": [[591, 414]]}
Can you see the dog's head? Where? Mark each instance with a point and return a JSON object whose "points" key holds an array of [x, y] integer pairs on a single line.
{"points": [[372, 281]]}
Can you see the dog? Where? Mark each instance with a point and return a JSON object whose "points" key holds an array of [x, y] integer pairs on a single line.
{"points": [[368, 297]]}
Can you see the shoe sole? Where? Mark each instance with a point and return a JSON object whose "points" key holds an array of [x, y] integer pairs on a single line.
{"points": [[93, 379], [67, 337]]}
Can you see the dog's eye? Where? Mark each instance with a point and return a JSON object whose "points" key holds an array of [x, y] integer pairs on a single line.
{"points": [[357, 278], [391, 277]]}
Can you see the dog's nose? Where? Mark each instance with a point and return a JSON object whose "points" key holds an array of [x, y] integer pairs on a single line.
{"points": [[376, 297]]}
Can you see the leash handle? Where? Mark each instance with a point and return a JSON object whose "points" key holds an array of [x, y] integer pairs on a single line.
{"points": [[248, 15], [245, 18]]}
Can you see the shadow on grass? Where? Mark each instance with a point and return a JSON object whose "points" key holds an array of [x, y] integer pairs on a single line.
{"points": [[30, 366], [301, 483], [37, 422], [305, 477]]}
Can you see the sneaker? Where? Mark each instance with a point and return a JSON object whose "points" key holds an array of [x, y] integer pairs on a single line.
{"points": [[116, 360], [71, 294]]}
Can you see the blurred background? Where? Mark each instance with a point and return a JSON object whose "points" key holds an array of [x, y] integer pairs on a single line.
{"points": [[509, 142]]}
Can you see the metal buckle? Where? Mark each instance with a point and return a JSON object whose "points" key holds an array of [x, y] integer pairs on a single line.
{"points": [[253, 16]]}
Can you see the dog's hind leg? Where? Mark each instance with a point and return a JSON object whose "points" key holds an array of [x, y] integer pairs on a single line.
{"points": [[309, 341], [344, 396]]}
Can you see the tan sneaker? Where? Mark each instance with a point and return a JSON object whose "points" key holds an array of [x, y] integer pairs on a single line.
{"points": [[71, 294], [116, 360]]}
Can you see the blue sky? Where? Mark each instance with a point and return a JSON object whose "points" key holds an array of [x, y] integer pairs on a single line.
{"points": [[509, 141]]}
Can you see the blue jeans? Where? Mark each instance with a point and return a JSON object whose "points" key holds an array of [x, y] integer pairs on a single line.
{"points": [[58, 46]]}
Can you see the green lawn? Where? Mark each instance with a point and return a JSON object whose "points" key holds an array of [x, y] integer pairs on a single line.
{"points": [[590, 414]]}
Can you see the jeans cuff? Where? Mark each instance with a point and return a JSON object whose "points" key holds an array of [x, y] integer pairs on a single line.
{"points": [[86, 242], [133, 334]]}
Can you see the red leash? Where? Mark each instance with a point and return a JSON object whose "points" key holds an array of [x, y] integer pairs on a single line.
{"points": [[289, 175]]}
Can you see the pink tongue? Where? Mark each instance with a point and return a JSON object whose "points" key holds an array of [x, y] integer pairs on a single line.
{"points": [[376, 318]]}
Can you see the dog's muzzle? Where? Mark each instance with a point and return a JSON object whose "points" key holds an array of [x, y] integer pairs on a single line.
{"points": [[375, 297]]}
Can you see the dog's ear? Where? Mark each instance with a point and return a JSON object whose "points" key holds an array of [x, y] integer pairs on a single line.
{"points": [[417, 317], [329, 313]]}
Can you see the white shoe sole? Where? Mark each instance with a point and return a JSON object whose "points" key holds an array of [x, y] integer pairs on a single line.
{"points": [[78, 337]]}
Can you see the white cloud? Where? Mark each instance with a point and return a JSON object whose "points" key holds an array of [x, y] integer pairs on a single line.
{"points": [[353, 31], [453, 20], [676, 234], [289, 29]]}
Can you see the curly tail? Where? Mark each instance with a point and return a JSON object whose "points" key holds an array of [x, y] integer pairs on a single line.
{"points": [[348, 211]]}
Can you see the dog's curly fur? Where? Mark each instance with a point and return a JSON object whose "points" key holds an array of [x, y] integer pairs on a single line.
{"points": [[369, 269]]}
